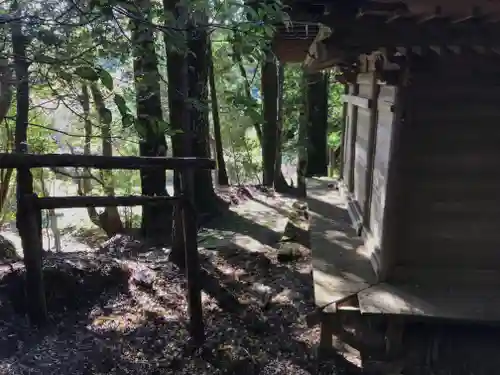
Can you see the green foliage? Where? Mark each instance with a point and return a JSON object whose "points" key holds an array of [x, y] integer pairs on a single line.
{"points": [[87, 73], [335, 113], [92, 42], [334, 139], [121, 104], [106, 79], [40, 141], [106, 116]]}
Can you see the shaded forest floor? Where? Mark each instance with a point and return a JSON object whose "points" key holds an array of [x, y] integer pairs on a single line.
{"points": [[135, 321]]}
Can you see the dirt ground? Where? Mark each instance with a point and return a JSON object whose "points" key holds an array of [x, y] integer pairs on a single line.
{"points": [[255, 309], [255, 317]]}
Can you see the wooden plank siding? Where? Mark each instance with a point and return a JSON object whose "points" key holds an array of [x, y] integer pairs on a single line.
{"points": [[451, 170], [351, 121], [369, 134], [363, 138], [361, 156], [385, 120]]}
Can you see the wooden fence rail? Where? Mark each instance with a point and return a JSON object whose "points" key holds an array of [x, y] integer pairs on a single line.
{"points": [[18, 160], [30, 206], [92, 201]]}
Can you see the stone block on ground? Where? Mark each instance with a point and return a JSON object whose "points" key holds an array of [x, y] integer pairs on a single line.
{"points": [[296, 235], [289, 252]]}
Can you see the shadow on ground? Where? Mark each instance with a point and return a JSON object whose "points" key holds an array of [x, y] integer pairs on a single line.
{"points": [[254, 309]]}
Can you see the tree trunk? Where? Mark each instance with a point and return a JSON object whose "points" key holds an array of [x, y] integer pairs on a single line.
{"points": [[204, 195], [280, 183], [5, 103], [302, 141], [177, 71], [5, 88], [51, 216], [156, 220], [110, 218], [270, 126], [5, 178], [222, 177], [28, 221], [317, 153], [85, 183]]}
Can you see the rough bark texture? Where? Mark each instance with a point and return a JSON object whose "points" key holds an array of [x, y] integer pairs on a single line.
{"points": [[204, 195], [302, 141], [5, 177], [6, 92], [270, 126], [177, 71], [28, 222], [222, 178], [317, 114], [156, 220]]}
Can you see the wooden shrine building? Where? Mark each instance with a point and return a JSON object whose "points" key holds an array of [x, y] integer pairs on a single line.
{"points": [[421, 155]]}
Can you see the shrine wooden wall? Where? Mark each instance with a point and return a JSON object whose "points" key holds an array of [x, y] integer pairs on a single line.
{"points": [[450, 167], [367, 149], [432, 207]]}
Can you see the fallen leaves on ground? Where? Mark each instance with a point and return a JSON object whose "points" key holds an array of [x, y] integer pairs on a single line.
{"points": [[145, 329]]}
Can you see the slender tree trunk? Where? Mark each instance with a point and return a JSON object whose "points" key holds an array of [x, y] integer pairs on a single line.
{"points": [[5, 178], [28, 223], [5, 88], [85, 183], [156, 220], [110, 218], [204, 195], [317, 91], [222, 177], [270, 126], [52, 216], [178, 87], [6, 94], [280, 183], [302, 141]]}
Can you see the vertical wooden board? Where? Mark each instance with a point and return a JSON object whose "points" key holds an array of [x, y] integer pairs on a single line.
{"points": [[365, 90], [348, 151], [350, 141], [361, 157], [387, 93], [363, 132], [360, 175], [381, 163]]}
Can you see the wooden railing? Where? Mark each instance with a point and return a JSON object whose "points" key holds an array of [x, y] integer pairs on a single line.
{"points": [[29, 208]]}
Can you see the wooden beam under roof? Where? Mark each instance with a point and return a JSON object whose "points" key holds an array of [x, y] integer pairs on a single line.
{"points": [[366, 26], [452, 8], [376, 33]]}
